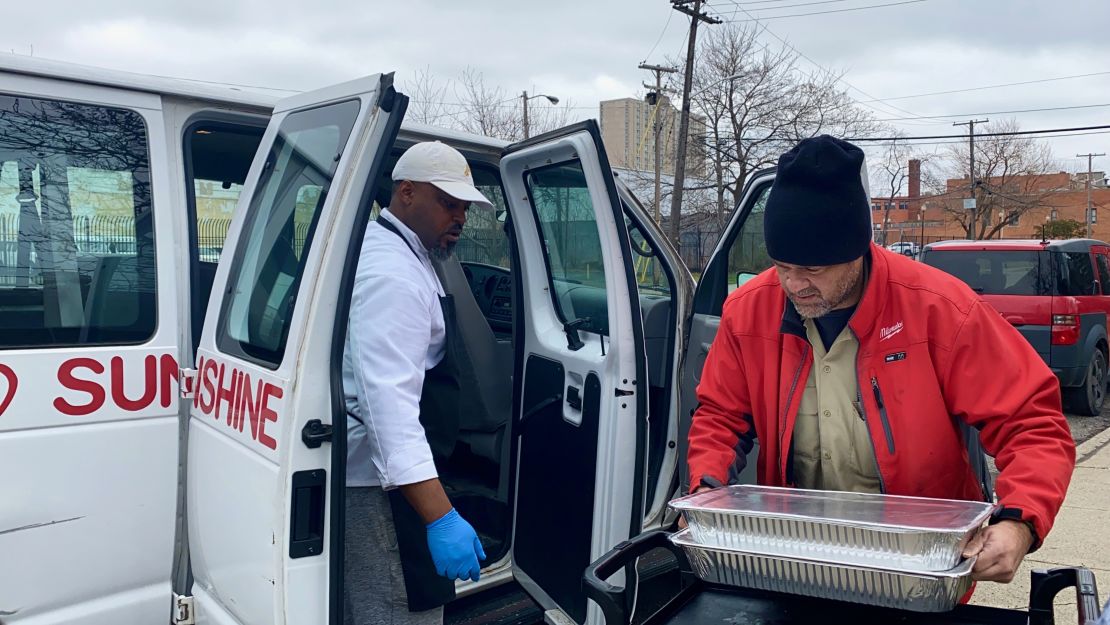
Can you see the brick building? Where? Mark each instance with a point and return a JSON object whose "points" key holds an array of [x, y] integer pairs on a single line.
{"points": [[1055, 197]]}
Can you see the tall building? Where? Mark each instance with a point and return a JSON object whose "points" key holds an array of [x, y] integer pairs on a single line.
{"points": [[629, 136]]}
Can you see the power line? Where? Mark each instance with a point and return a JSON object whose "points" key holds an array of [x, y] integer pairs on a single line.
{"points": [[670, 14], [1008, 84], [959, 115], [841, 79], [863, 8], [804, 4], [1011, 133]]}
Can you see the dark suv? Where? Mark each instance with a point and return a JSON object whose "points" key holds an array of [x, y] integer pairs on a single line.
{"points": [[1056, 293]]}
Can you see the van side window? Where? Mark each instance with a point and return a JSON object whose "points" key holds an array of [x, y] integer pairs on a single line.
{"points": [[484, 239], [747, 255], [571, 244], [217, 158], [77, 264], [283, 211]]}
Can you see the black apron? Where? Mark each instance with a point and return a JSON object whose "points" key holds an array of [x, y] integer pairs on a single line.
{"points": [[439, 415]]}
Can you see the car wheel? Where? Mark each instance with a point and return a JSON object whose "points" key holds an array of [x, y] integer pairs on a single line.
{"points": [[1089, 398]]}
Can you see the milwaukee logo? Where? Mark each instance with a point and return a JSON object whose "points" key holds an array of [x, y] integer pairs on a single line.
{"points": [[886, 333]]}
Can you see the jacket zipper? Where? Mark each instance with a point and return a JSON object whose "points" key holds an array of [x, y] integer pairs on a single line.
{"points": [[882, 414], [863, 413], [786, 408]]}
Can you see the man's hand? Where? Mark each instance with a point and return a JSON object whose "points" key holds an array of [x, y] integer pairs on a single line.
{"points": [[455, 548], [1000, 549]]}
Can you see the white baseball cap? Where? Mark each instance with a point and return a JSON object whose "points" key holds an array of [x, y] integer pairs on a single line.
{"points": [[442, 165]]}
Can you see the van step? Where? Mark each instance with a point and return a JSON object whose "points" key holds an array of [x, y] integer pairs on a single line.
{"points": [[505, 605]]}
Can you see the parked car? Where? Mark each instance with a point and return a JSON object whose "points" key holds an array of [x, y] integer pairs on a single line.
{"points": [[905, 248], [1056, 293]]}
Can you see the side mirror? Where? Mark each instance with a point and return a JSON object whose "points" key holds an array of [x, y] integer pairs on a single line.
{"points": [[742, 277]]}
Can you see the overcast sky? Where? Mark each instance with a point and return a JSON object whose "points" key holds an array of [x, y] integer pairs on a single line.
{"points": [[584, 51]]}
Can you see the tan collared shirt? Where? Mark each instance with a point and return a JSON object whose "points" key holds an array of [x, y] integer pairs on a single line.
{"points": [[832, 447]]}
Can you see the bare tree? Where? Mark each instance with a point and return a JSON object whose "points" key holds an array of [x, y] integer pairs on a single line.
{"points": [[757, 103], [428, 99], [492, 112], [1011, 178], [891, 174]]}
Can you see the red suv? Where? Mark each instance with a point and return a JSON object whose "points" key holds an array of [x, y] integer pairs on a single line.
{"points": [[1056, 293]]}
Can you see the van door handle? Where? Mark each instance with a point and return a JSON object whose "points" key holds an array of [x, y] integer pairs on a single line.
{"points": [[306, 516], [574, 397], [316, 433]]}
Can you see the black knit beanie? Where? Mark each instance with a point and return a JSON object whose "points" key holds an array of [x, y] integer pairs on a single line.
{"points": [[817, 213]]}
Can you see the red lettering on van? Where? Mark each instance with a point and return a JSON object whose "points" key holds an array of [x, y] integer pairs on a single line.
{"points": [[208, 384], [150, 384], [268, 414], [252, 403], [13, 384], [226, 394], [73, 383], [169, 377]]}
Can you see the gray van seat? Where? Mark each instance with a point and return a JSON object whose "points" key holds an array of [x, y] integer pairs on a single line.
{"points": [[483, 430]]}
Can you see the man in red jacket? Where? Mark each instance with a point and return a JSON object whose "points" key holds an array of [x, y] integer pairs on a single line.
{"points": [[854, 368]]}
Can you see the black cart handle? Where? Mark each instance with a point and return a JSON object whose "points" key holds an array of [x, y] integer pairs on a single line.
{"points": [[1047, 584], [610, 598]]}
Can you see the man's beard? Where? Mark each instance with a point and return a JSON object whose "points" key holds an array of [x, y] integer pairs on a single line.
{"points": [[443, 252], [842, 290]]}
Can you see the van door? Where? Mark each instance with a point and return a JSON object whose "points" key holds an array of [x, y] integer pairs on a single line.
{"points": [[739, 256], [581, 417], [88, 345], [259, 493]]}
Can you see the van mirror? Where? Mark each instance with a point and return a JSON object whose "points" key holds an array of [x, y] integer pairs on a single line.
{"points": [[742, 277]]}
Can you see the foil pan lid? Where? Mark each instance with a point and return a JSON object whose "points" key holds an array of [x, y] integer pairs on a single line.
{"points": [[888, 511]]}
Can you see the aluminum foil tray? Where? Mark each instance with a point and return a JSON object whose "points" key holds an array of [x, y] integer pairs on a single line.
{"points": [[905, 590], [885, 531]]}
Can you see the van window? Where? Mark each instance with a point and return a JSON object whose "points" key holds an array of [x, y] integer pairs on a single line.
{"points": [[484, 239], [77, 263], [283, 211], [998, 272], [571, 243], [217, 158], [747, 256]]}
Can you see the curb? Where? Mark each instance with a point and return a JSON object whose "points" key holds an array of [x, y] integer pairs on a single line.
{"points": [[1092, 446]]}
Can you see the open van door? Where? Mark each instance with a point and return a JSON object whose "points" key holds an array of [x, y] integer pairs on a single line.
{"points": [[259, 502], [739, 256], [581, 409]]}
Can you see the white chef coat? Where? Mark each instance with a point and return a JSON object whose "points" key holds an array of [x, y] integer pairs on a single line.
{"points": [[396, 333]]}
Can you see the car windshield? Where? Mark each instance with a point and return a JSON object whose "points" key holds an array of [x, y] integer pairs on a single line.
{"points": [[998, 272]]}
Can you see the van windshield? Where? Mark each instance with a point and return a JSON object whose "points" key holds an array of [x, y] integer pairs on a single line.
{"points": [[998, 272]]}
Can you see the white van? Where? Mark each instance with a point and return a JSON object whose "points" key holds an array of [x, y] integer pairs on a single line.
{"points": [[127, 500]]}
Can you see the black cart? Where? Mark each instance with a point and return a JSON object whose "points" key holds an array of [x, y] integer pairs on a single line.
{"points": [[702, 603]]}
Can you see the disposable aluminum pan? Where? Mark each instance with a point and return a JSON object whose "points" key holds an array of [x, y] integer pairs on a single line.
{"points": [[884, 531], [905, 590]]}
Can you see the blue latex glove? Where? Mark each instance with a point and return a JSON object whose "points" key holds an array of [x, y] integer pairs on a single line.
{"points": [[455, 547]]}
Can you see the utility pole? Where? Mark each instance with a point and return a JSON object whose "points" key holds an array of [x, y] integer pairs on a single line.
{"points": [[1090, 207], [696, 16], [971, 138], [659, 71], [524, 98]]}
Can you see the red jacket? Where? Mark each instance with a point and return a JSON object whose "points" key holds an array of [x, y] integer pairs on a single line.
{"points": [[931, 351]]}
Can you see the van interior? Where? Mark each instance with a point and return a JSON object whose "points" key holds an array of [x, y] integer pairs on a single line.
{"points": [[480, 276]]}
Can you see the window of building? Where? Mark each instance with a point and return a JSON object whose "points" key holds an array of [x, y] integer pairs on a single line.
{"points": [[286, 204], [77, 249]]}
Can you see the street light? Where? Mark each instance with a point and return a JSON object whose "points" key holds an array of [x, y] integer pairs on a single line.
{"points": [[525, 97]]}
